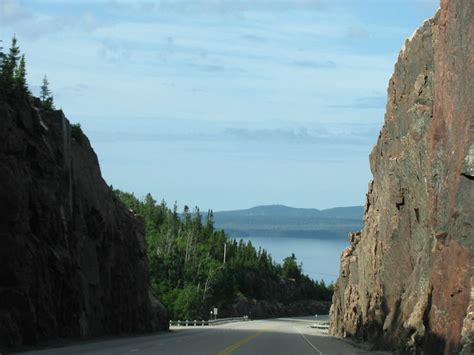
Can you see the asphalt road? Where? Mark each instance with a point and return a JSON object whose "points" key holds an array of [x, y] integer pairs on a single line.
{"points": [[272, 336]]}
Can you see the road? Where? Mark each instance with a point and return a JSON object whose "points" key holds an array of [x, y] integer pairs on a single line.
{"points": [[271, 336]]}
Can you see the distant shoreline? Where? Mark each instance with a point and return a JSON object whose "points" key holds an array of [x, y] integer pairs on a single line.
{"points": [[320, 235], [278, 221]]}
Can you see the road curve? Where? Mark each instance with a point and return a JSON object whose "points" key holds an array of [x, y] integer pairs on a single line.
{"points": [[270, 336]]}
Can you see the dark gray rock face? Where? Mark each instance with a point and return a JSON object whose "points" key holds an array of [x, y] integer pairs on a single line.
{"points": [[73, 258], [406, 281]]}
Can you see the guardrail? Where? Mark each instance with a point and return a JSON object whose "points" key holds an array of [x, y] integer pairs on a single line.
{"points": [[228, 320], [189, 323], [201, 323], [320, 325]]}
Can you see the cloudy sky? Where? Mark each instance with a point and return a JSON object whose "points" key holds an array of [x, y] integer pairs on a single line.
{"points": [[224, 104]]}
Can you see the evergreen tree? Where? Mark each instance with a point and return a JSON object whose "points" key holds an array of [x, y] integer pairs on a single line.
{"points": [[210, 220], [2, 55], [14, 53], [45, 91], [9, 65], [20, 75], [291, 269], [46, 95]]}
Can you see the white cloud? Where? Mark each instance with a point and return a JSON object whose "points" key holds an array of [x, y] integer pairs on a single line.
{"points": [[114, 51], [218, 6], [17, 18], [11, 12]]}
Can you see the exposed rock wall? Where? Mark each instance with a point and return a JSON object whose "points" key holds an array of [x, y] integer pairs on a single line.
{"points": [[406, 281], [73, 258]]}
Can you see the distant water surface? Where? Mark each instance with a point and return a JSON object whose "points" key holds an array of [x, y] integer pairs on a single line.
{"points": [[320, 257]]}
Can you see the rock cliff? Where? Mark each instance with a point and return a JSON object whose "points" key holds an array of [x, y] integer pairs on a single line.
{"points": [[406, 281], [73, 258]]}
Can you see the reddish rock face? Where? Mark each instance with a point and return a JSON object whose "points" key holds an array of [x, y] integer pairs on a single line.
{"points": [[73, 258], [406, 281]]}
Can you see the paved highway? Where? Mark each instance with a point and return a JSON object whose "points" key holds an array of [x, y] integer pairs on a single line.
{"points": [[272, 336]]}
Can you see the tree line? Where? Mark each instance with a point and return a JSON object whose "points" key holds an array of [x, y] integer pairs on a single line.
{"points": [[194, 267], [13, 75]]}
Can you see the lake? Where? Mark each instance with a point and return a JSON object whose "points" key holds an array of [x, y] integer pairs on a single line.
{"points": [[320, 258]]}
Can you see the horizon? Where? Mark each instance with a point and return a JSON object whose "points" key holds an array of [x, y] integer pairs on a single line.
{"points": [[221, 104]]}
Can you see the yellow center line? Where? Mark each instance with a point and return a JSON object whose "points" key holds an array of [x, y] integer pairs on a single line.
{"points": [[241, 342]]}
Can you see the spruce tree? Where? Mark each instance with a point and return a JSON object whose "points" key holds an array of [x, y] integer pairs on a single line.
{"points": [[20, 75], [46, 95], [14, 53], [45, 91], [9, 65]]}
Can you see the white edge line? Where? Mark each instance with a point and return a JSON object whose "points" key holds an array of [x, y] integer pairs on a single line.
{"points": [[311, 344]]}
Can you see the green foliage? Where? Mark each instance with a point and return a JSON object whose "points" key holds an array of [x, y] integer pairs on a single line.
{"points": [[10, 64], [13, 69], [2, 55], [76, 131], [46, 95], [187, 268], [291, 269], [20, 75]]}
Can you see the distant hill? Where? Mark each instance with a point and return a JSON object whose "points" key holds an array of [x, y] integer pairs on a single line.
{"points": [[284, 221]]}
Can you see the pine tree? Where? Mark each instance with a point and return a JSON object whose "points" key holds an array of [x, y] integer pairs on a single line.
{"points": [[20, 75], [9, 65], [46, 95]]}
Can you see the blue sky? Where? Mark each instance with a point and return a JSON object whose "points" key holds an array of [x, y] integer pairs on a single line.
{"points": [[224, 104]]}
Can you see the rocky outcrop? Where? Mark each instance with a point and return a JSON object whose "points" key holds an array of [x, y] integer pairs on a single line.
{"points": [[406, 281], [73, 258]]}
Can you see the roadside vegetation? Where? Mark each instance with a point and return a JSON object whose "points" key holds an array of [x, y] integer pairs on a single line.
{"points": [[191, 275]]}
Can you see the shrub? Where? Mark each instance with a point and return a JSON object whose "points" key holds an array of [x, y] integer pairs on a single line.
{"points": [[76, 131]]}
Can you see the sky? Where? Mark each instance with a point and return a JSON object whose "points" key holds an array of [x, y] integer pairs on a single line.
{"points": [[222, 104]]}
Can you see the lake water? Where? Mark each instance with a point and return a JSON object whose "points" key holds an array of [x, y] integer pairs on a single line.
{"points": [[320, 258]]}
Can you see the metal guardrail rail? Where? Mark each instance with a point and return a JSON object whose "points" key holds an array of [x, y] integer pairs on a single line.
{"points": [[188, 323], [320, 325], [201, 323], [228, 320]]}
